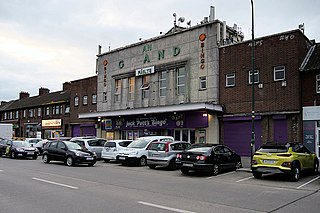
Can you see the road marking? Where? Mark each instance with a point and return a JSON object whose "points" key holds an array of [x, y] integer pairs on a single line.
{"points": [[219, 175], [165, 207], [55, 183], [308, 182], [243, 179], [1, 170]]}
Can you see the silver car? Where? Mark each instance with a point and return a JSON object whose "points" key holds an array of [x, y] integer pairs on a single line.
{"points": [[111, 149], [93, 144], [163, 153]]}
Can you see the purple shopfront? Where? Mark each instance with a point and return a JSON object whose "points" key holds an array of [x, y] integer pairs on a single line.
{"points": [[182, 125]]}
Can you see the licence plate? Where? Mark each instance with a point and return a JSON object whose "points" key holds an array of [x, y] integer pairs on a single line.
{"points": [[269, 161], [188, 164], [122, 158], [89, 158]]}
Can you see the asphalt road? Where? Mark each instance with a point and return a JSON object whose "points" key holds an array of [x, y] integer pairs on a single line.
{"points": [[30, 186]]}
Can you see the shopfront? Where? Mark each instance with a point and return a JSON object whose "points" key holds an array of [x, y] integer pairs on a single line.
{"points": [[83, 130], [52, 128], [311, 128]]}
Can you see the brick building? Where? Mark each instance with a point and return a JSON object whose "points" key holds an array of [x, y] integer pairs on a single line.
{"points": [[277, 97]]}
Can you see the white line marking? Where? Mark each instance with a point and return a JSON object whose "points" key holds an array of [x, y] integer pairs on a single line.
{"points": [[243, 179], [308, 182], [1, 170], [219, 175], [55, 183], [165, 207]]}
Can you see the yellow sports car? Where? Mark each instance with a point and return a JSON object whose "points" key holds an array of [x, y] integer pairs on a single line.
{"points": [[290, 159]]}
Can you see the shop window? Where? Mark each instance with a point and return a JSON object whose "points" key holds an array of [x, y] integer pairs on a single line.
{"points": [[181, 81], [203, 82], [131, 88], [163, 83], [279, 73], [230, 80]]}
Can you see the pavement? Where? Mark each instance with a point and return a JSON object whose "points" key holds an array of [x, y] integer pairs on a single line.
{"points": [[246, 164]]}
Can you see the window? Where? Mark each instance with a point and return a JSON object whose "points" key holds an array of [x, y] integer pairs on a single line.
{"points": [[230, 80], [131, 88], [117, 91], [47, 110], [145, 87], [67, 109], [24, 113], [256, 76], [318, 83], [30, 113], [104, 96], [76, 101], [94, 99], [58, 111], [203, 82], [39, 112], [85, 100], [17, 114], [181, 80], [279, 73], [163, 83]]}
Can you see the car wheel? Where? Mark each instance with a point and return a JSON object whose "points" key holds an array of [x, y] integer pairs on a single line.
{"points": [[143, 161], [35, 157], [45, 158], [215, 169], [295, 173], [91, 164], [152, 166], [106, 160], [316, 167], [185, 171], [257, 175], [172, 164], [13, 155], [69, 161]]}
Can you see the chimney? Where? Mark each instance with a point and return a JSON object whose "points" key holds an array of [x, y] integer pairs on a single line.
{"points": [[43, 91], [2, 103], [66, 86], [23, 95], [212, 13]]}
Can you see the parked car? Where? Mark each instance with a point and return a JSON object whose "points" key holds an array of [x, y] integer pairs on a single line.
{"points": [[112, 148], [163, 153], [69, 152], [14, 149], [136, 152], [93, 144], [211, 158], [290, 159], [33, 141], [40, 145]]}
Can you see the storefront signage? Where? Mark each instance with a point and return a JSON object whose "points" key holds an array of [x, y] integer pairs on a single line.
{"points": [[52, 123], [202, 38], [309, 135], [108, 124], [105, 63], [145, 71], [311, 113]]}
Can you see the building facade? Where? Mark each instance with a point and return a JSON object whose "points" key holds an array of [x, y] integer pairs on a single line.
{"points": [[310, 74], [277, 90], [167, 85]]}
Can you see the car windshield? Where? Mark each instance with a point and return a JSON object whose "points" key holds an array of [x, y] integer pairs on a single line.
{"points": [[97, 142], [72, 145], [273, 149], [139, 143], [21, 143]]}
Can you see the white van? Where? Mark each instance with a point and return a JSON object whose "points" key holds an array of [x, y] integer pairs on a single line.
{"points": [[137, 151]]}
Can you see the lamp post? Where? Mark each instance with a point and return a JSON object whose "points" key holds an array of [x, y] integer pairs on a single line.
{"points": [[252, 144]]}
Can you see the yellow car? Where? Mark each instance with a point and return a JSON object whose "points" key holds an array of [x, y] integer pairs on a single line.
{"points": [[290, 159]]}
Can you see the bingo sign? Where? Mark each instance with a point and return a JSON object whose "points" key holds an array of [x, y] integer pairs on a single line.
{"points": [[105, 63], [202, 38]]}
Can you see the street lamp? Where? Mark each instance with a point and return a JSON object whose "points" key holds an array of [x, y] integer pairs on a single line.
{"points": [[252, 144]]}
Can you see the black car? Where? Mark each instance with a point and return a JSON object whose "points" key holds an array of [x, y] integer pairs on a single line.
{"points": [[68, 152], [15, 149], [208, 158]]}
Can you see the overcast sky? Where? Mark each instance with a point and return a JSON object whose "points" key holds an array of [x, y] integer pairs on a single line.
{"points": [[44, 43]]}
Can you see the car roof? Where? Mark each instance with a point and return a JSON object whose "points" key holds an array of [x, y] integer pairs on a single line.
{"points": [[154, 137], [117, 141]]}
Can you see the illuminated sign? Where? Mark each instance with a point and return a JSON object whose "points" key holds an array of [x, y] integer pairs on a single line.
{"points": [[51, 123]]}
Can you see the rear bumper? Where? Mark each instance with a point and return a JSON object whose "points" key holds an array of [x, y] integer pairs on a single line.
{"points": [[158, 162], [194, 166], [270, 170], [126, 159]]}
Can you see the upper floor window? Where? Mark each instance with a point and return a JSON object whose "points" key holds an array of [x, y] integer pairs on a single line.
{"points": [[67, 110], [76, 101], [39, 112], [145, 87], [5, 116], [117, 91], [30, 113], [279, 73], [163, 83], [94, 98], [255, 76], [203, 82], [47, 110], [85, 100], [131, 88], [24, 113], [230, 80], [181, 80], [318, 83], [17, 114]]}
